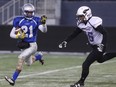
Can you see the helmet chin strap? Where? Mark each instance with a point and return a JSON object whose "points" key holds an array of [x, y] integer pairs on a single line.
{"points": [[85, 21], [29, 18]]}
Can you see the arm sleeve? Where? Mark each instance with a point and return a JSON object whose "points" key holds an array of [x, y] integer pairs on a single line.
{"points": [[73, 35], [12, 33], [43, 28], [102, 31]]}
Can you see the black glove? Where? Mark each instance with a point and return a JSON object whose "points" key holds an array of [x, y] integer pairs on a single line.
{"points": [[63, 44], [43, 19]]}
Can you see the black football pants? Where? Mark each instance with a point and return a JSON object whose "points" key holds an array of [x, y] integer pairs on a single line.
{"points": [[95, 55]]}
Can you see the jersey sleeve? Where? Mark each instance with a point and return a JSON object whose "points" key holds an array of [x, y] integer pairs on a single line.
{"points": [[76, 32], [16, 22], [37, 19], [96, 22]]}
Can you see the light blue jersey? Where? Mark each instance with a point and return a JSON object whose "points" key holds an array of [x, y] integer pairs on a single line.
{"points": [[30, 27]]}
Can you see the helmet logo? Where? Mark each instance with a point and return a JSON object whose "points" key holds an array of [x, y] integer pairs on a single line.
{"points": [[85, 11]]}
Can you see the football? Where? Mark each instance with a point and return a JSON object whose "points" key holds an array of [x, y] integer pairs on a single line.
{"points": [[18, 31]]}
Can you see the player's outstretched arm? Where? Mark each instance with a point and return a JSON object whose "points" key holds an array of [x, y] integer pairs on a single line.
{"points": [[43, 26], [69, 38]]}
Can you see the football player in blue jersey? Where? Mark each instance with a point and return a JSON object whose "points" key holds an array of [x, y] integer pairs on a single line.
{"points": [[97, 37], [25, 29]]}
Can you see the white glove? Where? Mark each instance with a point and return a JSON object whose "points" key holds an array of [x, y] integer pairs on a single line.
{"points": [[63, 44], [100, 47]]}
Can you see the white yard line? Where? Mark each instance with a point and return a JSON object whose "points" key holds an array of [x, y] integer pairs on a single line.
{"points": [[57, 70], [3, 56]]}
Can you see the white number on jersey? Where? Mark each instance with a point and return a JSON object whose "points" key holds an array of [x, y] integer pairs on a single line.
{"points": [[25, 29]]}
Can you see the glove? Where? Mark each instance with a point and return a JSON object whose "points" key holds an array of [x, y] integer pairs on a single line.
{"points": [[43, 19], [63, 44], [20, 33], [100, 47]]}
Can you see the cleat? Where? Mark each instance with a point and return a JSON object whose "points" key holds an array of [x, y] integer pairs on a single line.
{"points": [[41, 61], [10, 81], [78, 84]]}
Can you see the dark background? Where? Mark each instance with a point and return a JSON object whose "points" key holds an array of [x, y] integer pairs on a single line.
{"points": [[104, 9], [56, 34]]}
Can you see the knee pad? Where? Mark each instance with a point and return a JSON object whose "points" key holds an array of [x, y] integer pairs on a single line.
{"points": [[29, 61]]}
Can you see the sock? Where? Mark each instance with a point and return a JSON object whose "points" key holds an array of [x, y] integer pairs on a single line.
{"points": [[38, 57], [16, 74]]}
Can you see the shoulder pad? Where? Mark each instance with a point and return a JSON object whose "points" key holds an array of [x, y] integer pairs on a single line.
{"points": [[95, 21]]}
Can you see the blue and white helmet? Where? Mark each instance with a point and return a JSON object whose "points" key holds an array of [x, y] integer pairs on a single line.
{"points": [[85, 11], [28, 10]]}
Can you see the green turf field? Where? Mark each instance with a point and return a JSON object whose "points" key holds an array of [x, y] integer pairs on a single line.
{"points": [[58, 71]]}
